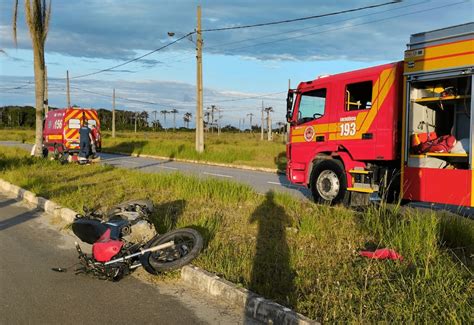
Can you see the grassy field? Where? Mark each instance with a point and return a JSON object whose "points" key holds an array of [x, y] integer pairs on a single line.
{"points": [[229, 148], [300, 254], [22, 135]]}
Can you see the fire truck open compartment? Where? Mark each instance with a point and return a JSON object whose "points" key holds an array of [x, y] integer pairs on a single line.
{"points": [[439, 107]]}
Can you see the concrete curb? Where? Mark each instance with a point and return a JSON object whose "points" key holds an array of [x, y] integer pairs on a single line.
{"points": [[50, 207], [209, 163], [255, 306]]}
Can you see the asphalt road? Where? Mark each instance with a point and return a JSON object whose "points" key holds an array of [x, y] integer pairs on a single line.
{"points": [[31, 293], [262, 182]]}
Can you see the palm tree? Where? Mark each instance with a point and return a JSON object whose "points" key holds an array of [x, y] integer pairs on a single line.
{"points": [[37, 14], [164, 112], [187, 118], [174, 111]]}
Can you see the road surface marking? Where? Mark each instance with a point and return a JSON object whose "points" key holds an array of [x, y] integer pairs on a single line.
{"points": [[286, 185], [130, 162], [218, 175], [166, 167]]}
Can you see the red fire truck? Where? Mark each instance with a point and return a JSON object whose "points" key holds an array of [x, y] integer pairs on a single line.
{"points": [[403, 128], [61, 129]]}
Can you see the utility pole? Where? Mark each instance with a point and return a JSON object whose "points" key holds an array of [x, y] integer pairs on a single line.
{"points": [[214, 123], [46, 106], [113, 114], [269, 123], [251, 115], [261, 128], [199, 98], [136, 115], [154, 121], [67, 89]]}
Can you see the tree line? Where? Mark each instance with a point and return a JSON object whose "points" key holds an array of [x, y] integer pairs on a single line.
{"points": [[24, 117]]}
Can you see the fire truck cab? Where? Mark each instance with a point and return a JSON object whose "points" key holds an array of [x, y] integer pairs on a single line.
{"points": [[345, 132], [357, 135]]}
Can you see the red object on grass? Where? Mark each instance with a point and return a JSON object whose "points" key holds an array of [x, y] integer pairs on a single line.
{"points": [[382, 254]]}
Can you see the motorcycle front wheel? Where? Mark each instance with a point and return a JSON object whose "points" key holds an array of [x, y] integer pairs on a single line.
{"points": [[188, 244]]}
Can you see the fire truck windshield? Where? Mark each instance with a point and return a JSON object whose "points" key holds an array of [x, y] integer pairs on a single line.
{"points": [[312, 105]]}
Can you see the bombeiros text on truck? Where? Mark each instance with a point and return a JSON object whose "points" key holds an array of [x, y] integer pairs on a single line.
{"points": [[399, 130]]}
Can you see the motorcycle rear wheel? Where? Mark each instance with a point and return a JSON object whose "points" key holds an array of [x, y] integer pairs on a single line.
{"points": [[188, 243]]}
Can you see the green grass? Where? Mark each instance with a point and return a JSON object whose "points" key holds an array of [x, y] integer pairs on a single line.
{"points": [[227, 148], [300, 254], [22, 135]]}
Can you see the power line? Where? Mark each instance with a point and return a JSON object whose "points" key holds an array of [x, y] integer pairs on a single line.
{"points": [[319, 25], [134, 59], [345, 27], [126, 99], [245, 98], [29, 83], [300, 19], [232, 28]]}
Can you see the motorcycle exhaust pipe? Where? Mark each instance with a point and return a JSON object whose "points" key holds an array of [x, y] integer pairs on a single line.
{"points": [[142, 252]]}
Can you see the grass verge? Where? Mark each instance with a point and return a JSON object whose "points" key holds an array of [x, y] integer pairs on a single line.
{"points": [[302, 255], [227, 148]]}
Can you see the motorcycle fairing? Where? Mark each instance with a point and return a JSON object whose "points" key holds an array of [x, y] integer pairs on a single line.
{"points": [[104, 249]]}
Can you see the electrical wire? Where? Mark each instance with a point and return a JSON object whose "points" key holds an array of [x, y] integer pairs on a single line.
{"points": [[346, 27], [300, 19], [134, 59], [29, 83], [126, 99], [319, 25], [245, 98], [232, 28]]}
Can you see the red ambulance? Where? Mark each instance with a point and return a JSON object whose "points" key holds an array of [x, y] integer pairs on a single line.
{"points": [[61, 129]]}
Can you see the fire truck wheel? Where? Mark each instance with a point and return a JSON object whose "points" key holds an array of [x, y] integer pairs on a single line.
{"points": [[328, 182]]}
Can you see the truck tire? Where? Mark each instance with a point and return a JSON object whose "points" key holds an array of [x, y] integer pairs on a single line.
{"points": [[328, 182]]}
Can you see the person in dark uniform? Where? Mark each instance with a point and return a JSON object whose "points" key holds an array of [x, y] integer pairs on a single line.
{"points": [[85, 140]]}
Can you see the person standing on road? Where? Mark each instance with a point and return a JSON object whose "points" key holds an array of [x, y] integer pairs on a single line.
{"points": [[95, 139], [85, 140]]}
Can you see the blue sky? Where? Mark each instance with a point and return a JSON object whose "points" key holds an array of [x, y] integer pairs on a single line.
{"points": [[89, 35]]}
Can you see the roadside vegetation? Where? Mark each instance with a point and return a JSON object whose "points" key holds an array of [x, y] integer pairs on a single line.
{"points": [[22, 135], [302, 255], [227, 148]]}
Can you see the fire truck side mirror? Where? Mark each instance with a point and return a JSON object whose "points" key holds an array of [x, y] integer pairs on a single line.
{"points": [[289, 105]]}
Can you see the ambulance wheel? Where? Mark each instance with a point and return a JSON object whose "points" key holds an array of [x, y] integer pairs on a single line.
{"points": [[328, 182]]}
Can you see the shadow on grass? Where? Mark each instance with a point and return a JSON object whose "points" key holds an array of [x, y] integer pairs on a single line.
{"points": [[8, 162], [271, 275], [166, 215], [280, 161]]}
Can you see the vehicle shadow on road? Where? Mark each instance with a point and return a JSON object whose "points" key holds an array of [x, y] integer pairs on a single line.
{"points": [[300, 188], [271, 275], [18, 219]]}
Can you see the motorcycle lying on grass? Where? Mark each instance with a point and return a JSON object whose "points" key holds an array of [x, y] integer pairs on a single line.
{"points": [[124, 239]]}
